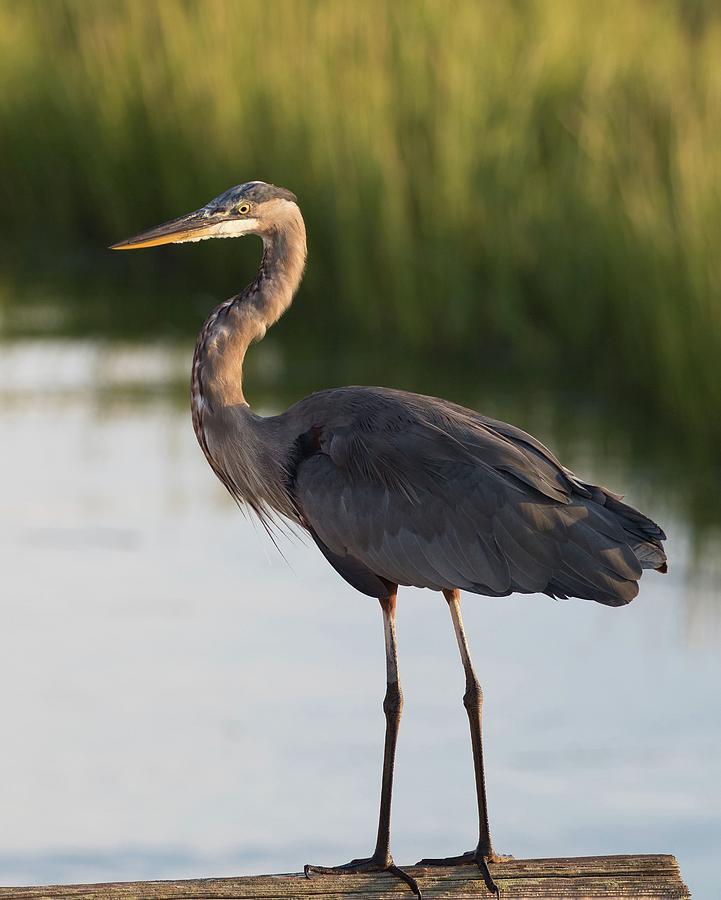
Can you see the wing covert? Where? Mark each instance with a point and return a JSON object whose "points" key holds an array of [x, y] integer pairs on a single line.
{"points": [[413, 491]]}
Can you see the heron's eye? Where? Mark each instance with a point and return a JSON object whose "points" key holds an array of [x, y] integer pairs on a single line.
{"points": [[244, 209]]}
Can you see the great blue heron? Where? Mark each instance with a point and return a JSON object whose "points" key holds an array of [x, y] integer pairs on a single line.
{"points": [[396, 488]]}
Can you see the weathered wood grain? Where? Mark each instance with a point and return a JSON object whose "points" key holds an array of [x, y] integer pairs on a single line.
{"points": [[579, 878]]}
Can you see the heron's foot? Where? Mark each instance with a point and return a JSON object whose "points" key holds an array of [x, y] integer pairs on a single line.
{"points": [[361, 866], [472, 857]]}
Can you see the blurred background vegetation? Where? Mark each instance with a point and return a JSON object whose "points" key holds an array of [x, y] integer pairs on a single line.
{"points": [[519, 192]]}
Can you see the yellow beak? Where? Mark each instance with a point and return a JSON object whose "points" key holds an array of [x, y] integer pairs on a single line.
{"points": [[196, 226]]}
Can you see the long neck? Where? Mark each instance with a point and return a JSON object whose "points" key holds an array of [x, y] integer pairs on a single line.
{"points": [[235, 324]]}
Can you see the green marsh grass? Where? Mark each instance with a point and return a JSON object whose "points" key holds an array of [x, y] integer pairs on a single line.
{"points": [[513, 184]]}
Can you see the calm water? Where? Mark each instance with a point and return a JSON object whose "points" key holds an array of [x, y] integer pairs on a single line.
{"points": [[178, 699]]}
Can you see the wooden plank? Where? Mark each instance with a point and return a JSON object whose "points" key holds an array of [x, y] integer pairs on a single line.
{"points": [[652, 877]]}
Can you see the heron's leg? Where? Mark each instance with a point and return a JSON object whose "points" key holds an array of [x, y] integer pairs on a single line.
{"points": [[392, 708], [381, 860], [473, 702]]}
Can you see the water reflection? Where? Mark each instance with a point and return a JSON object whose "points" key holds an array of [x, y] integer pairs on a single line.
{"points": [[178, 699]]}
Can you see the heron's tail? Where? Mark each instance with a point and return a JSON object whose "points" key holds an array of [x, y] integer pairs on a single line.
{"points": [[647, 546]]}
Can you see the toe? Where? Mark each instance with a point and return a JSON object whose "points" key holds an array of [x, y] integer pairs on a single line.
{"points": [[464, 859], [360, 866]]}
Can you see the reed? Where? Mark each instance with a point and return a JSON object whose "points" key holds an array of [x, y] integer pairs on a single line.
{"points": [[512, 181]]}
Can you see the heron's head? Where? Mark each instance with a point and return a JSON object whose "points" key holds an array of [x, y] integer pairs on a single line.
{"points": [[251, 208]]}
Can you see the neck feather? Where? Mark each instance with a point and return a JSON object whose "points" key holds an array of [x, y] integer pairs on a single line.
{"points": [[235, 324]]}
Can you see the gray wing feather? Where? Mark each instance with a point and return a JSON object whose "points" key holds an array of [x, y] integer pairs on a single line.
{"points": [[420, 492]]}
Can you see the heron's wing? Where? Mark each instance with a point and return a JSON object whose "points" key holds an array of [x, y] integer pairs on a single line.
{"points": [[418, 492]]}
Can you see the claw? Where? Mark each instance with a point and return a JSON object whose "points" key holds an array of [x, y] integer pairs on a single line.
{"points": [[487, 877], [409, 880]]}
